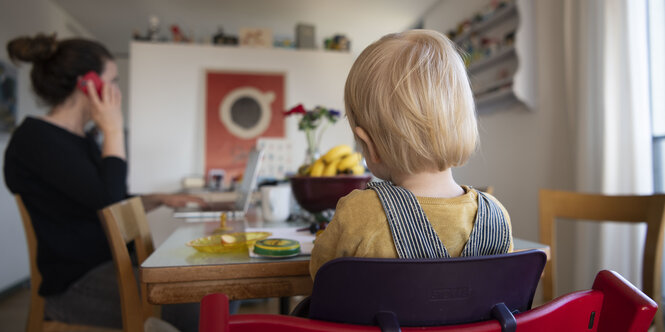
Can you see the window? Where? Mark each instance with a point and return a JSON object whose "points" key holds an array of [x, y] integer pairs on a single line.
{"points": [[656, 28]]}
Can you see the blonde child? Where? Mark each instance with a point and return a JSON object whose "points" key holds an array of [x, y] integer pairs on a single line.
{"points": [[410, 106]]}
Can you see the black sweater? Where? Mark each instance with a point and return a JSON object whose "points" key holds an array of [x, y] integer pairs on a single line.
{"points": [[63, 181]]}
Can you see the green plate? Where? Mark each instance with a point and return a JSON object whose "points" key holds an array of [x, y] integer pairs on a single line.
{"points": [[277, 248]]}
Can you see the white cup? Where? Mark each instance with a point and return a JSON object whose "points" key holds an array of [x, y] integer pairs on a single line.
{"points": [[276, 202]]}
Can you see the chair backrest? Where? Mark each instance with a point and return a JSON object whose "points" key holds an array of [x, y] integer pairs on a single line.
{"points": [[595, 207], [36, 314], [36, 321], [425, 292], [124, 222], [621, 298], [613, 304]]}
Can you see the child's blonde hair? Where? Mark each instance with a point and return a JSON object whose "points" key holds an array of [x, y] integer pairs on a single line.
{"points": [[410, 92]]}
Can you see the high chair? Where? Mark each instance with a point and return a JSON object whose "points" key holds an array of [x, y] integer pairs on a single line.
{"points": [[613, 304], [423, 292], [36, 322], [596, 207]]}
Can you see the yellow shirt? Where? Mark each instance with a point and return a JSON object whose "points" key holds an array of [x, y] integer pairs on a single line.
{"points": [[360, 228]]}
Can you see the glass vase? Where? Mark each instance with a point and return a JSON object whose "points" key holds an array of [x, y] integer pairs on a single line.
{"points": [[311, 155]]}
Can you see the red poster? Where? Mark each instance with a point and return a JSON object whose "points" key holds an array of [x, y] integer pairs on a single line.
{"points": [[240, 108]]}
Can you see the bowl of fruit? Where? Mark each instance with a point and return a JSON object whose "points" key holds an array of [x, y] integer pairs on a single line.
{"points": [[319, 186]]}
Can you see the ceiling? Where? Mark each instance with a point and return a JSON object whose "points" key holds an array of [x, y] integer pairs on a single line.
{"points": [[363, 21]]}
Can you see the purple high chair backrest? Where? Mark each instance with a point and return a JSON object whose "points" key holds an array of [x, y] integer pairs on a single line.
{"points": [[426, 292]]}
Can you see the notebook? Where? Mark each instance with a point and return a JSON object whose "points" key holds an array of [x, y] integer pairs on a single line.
{"points": [[244, 193]]}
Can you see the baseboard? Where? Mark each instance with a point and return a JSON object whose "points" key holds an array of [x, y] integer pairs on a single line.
{"points": [[12, 289]]}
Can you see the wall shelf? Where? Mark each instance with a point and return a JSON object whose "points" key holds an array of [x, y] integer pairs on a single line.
{"points": [[502, 51], [507, 12], [503, 54], [496, 96], [491, 87]]}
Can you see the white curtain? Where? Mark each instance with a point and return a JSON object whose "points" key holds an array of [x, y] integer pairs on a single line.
{"points": [[608, 103]]}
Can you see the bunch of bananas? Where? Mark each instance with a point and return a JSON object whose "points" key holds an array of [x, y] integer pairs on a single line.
{"points": [[339, 160]]}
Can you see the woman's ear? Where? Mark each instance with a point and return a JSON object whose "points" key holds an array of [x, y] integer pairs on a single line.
{"points": [[372, 153]]}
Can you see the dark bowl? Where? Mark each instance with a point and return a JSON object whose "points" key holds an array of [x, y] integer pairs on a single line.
{"points": [[316, 194]]}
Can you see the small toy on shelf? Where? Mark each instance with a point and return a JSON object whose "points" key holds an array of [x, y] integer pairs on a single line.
{"points": [[153, 31], [256, 37], [220, 38], [305, 36], [492, 8], [464, 27], [178, 36], [337, 42], [153, 28], [284, 42], [479, 48], [509, 39], [490, 45], [467, 27], [136, 35]]}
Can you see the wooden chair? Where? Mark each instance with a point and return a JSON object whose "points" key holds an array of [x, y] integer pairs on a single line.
{"points": [[36, 322], [595, 207], [124, 222]]}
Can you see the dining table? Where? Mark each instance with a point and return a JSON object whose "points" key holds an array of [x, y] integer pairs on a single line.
{"points": [[177, 273]]}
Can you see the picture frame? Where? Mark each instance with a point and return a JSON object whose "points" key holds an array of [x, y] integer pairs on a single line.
{"points": [[255, 37], [241, 107]]}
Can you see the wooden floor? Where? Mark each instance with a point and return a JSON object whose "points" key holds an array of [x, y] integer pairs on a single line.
{"points": [[14, 309]]}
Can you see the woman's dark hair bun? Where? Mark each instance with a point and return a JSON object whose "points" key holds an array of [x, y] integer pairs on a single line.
{"points": [[57, 65], [32, 49]]}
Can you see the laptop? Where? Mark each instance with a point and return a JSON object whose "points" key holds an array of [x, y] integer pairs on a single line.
{"points": [[244, 194]]}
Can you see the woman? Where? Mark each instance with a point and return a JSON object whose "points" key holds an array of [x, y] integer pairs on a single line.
{"points": [[64, 178]]}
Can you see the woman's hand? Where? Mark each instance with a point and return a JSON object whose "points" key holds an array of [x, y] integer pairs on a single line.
{"points": [[107, 111], [107, 115], [152, 201], [181, 200]]}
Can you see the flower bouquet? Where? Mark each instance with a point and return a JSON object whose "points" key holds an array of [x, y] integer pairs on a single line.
{"points": [[314, 123]]}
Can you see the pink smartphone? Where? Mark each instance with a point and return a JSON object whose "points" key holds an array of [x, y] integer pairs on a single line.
{"points": [[91, 76]]}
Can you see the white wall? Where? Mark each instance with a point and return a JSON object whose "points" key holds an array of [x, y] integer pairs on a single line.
{"points": [[123, 82], [26, 17], [167, 103], [362, 21], [521, 150]]}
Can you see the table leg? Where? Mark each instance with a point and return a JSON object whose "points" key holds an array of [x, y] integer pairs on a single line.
{"points": [[284, 305]]}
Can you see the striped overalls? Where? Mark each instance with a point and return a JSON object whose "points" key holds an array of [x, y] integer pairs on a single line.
{"points": [[414, 236]]}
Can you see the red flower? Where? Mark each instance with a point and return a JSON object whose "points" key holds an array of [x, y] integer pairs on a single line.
{"points": [[296, 110]]}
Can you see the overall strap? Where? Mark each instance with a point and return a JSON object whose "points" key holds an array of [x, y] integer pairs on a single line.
{"points": [[412, 233], [490, 234]]}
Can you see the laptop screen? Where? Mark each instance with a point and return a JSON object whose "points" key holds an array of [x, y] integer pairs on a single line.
{"points": [[249, 179], [244, 193]]}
